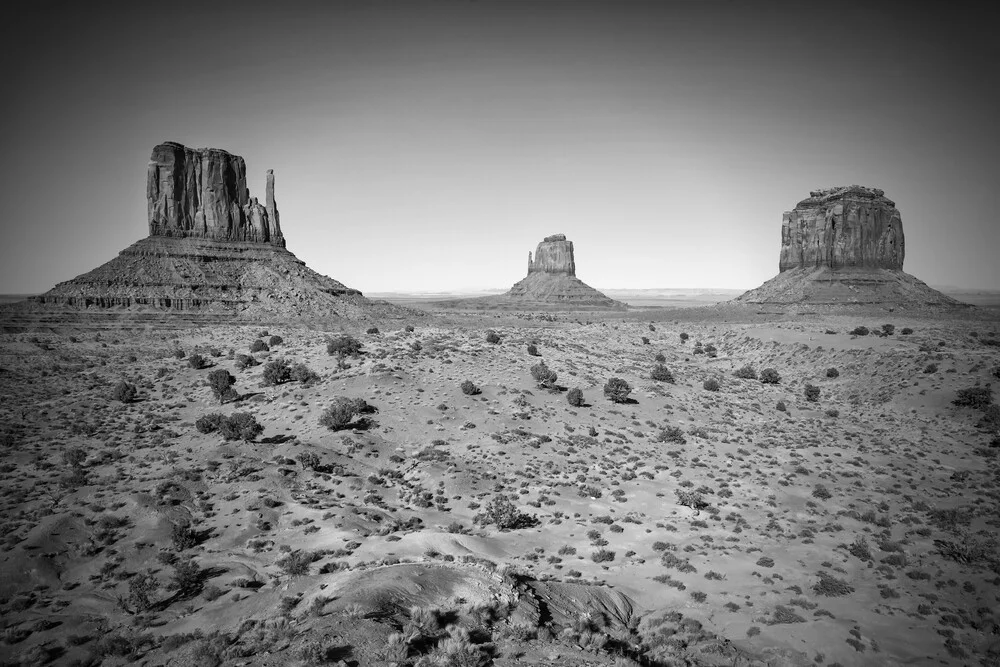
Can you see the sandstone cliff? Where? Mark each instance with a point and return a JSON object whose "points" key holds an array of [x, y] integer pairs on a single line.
{"points": [[842, 227], [202, 193]]}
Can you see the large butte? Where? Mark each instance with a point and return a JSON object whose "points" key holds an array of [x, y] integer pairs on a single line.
{"points": [[844, 246]]}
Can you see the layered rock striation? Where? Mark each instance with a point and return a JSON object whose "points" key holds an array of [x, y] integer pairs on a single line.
{"points": [[852, 226], [844, 246], [211, 249]]}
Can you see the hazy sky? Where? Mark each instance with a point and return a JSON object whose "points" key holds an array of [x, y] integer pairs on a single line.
{"points": [[430, 146]]}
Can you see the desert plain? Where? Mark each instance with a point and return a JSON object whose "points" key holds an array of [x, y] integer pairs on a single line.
{"points": [[845, 512]]}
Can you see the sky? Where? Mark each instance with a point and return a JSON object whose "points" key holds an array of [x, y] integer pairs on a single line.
{"points": [[429, 146]]}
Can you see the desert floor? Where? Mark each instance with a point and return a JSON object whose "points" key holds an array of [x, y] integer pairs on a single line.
{"points": [[683, 524]]}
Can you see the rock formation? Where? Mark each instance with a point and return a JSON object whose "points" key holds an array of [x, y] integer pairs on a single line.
{"points": [[211, 249], [552, 280], [202, 193], [553, 255], [844, 246], [846, 226]]}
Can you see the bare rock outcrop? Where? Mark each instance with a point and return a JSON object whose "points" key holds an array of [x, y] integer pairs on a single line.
{"points": [[844, 246], [852, 226], [202, 193]]}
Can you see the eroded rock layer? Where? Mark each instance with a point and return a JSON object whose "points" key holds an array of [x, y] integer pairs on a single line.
{"points": [[843, 226]]}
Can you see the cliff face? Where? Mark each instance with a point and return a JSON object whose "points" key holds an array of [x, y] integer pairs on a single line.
{"points": [[553, 255], [202, 193], [851, 226]]}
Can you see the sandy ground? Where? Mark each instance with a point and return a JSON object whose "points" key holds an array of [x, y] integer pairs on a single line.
{"points": [[708, 526]]}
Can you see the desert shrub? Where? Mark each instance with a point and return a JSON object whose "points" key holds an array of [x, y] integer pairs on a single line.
{"points": [[575, 397], [124, 392], [408, 328], [812, 393], [469, 388], [277, 372], [617, 390], [661, 373], [210, 423], [141, 588], [783, 614], [221, 383], [906, 331], [769, 376], [746, 373], [533, 349], [244, 361], [832, 373], [672, 434], [178, 354], [931, 368], [502, 513], [345, 346], [859, 548], [888, 329], [304, 374], [183, 535], [781, 407], [372, 331], [974, 397], [830, 586], [492, 337], [543, 375], [187, 577], [691, 499], [710, 384], [860, 331], [197, 362], [645, 340], [275, 340], [342, 411], [74, 457], [240, 426], [991, 419], [833, 412], [296, 563], [602, 556], [821, 492], [765, 561], [660, 358], [684, 337], [258, 346], [710, 351]]}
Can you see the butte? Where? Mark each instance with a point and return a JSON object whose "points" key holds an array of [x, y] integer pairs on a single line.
{"points": [[552, 280], [844, 246], [213, 254]]}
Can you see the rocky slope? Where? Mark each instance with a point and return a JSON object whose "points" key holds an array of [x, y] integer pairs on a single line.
{"points": [[844, 246]]}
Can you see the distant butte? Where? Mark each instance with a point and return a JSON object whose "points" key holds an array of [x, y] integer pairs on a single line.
{"points": [[844, 246], [212, 250], [552, 280]]}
